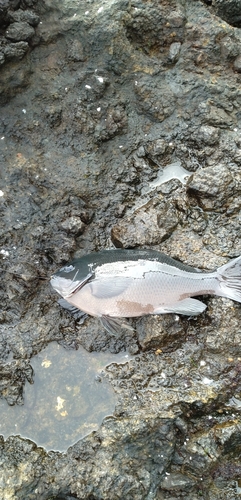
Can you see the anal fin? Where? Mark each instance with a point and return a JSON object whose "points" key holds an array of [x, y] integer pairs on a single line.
{"points": [[189, 307], [74, 311]]}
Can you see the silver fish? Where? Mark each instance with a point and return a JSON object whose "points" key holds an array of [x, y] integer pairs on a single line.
{"points": [[118, 284]]}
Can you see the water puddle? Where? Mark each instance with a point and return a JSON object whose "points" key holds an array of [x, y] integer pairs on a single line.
{"points": [[67, 401], [172, 171]]}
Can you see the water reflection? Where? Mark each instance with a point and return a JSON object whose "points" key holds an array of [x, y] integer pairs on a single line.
{"points": [[67, 400]]}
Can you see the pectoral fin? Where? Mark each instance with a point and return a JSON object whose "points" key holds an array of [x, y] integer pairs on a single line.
{"points": [[115, 325], [189, 307], [110, 287]]}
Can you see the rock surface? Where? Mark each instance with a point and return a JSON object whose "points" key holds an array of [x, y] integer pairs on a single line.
{"points": [[96, 100]]}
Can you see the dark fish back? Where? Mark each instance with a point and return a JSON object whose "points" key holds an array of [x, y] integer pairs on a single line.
{"points": [[78, 269]]}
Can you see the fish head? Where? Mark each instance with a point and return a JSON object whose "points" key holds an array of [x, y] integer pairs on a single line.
{"points": [[69, 279]]}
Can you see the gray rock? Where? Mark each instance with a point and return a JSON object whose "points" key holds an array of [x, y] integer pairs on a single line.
{"points": [[76, 51], [212, 185], [2, 58], [53, 115], [218, 117], [149, 225], [177, 482], [15, 51], [24, 16], [174, 51], [19, 31], [230, 10], [73, 225], [237, 64], [208, 135]]}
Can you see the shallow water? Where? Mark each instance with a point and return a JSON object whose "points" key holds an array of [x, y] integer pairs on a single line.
{"points": [[172, 171], [67, 401]]}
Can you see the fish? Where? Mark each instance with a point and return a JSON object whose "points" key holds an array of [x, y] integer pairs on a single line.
{"points": [[122, 283]]}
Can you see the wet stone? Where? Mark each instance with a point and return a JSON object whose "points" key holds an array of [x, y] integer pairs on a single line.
{"points": [[157, 101], [213, 185], [176, 481], [149, 225], [2, 58], [230, 11], [73, 225], [237, 64], [208, 135], [218, 117], [174, 51], [4, 14], [15, 51], [76, 51], [24, 16], [53, 115], [156, 332], [18, 31]]}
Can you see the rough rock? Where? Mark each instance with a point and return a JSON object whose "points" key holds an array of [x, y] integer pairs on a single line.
{"points": [[16, 50], [94, 106], [4, 13], [24, 16], [19, 31], [148, 225], [212, 183], [229, 11]]}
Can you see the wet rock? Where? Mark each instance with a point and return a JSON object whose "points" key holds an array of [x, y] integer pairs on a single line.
{"points": [[14, 4], [157, 101], [114, 123], [229, 11], [218, 117], [13, 377], [19, 31], [212, 186], [174, 51], [24, 16], [154, 26], [156, 332], [237, 64], [28, 3], [76, 51], [4, 14], [230, 47], [73, 225], [2, 58], [149, 225], [156, 149], [15, 51], [208, 135], [177, 482], [53, 115]]}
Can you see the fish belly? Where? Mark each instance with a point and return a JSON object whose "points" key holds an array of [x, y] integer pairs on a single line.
{"points": [[140, 296]]}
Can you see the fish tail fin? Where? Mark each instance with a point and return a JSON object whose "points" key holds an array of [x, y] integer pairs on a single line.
{"points": [[229, 277], [115, 325]]}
